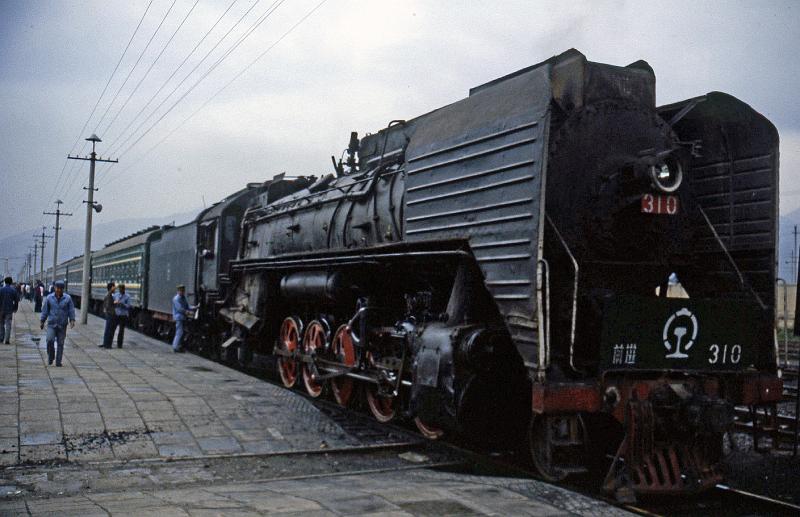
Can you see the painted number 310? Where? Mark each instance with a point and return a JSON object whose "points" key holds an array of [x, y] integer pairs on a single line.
{"points": [[725, 354]]}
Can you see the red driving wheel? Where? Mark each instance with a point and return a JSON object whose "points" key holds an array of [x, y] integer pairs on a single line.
{"points": [[345, 353], [428, 431], [382, 407], [288, 341], [314, 340]]}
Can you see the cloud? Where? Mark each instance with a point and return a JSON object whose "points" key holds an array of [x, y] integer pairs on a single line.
{"points": [[790, 171], [353, 65]]}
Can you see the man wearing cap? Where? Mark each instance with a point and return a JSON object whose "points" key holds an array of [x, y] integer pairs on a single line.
{"points": [[180, 311], [57, 310], [9, 303]]}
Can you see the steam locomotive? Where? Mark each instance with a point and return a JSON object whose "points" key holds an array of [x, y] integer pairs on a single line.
{"points": [[504, 266]]}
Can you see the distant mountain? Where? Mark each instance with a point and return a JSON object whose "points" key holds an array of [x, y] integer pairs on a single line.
{"points": [[71, 239]]}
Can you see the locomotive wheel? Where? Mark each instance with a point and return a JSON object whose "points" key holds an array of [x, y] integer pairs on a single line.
{"points": [[313, 341], [382, 408], [428, 431], [345, 353], [289, 340]]}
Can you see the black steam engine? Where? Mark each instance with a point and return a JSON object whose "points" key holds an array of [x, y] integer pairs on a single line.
{"points": [[510, 261]]}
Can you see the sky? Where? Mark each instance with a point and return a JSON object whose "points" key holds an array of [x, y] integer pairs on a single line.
{"points": [[287, 95]]}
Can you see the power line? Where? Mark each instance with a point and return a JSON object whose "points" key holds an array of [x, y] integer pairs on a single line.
{"points": [[85, 124], [211, 69], [165, 99], [260, 56], [147, 72], [138, 60], [164, 84], [208, 53]]}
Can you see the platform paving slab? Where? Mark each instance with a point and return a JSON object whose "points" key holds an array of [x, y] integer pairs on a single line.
{"points": [[143, 431]]}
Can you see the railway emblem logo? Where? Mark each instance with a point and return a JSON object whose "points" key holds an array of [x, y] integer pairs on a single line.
{"points": [[679, 334]]}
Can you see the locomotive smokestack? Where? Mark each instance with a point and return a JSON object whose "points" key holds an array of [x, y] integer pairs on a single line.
{"points": [[352, 149]]}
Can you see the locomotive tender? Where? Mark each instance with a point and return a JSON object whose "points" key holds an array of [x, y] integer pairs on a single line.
{"points": [[500, 267]]}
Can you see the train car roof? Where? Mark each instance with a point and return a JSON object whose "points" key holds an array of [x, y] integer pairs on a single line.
{"points": [[129, 241], [78, 258]]}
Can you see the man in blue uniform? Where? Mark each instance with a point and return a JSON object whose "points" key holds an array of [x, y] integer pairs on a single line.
{"points": [[180, 311], [9, 303], [58, 309], [122, 309]]}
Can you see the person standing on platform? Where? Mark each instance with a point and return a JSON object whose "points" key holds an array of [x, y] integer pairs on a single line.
{"points": [[180, 311], [38, 296], [58, 309], [108, 312], [122, 309], [9, 303]]}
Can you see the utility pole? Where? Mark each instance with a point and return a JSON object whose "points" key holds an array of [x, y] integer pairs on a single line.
{"points": [[58, 213], [35, 255], [87, 243], [794, 252], [41, 255], [28, 266]]}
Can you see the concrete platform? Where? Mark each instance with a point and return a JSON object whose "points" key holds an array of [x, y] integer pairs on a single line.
{"points": [[143, 431]]}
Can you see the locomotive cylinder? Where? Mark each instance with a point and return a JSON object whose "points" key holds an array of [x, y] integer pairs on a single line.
{"points": [[314, 285]]}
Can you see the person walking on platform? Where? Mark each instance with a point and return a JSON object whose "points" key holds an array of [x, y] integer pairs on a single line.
{"points": [[58, 309], [122, 309], [9, 303], [180, 311], [38, 296], [108, 312]]}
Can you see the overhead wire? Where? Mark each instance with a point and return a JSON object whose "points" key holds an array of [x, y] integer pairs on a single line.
{"points": [[235, 77], [233, 47], [150, 68], [271, 9], [206, 56], [96, 104], [136, 64], [174, 72]]}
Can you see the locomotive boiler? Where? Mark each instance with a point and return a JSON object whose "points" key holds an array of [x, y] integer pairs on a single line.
{"points": [[505, 263]]}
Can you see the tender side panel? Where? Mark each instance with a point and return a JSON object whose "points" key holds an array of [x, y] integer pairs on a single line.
{"points": [[475, 173], [173, 261], [735, 180]]}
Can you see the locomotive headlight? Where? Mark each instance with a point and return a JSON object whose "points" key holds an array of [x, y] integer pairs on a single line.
{"points": [[667, 175]]}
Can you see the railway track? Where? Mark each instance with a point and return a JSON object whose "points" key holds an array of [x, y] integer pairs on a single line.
{"points": [[722, 499], [453, 456]]}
